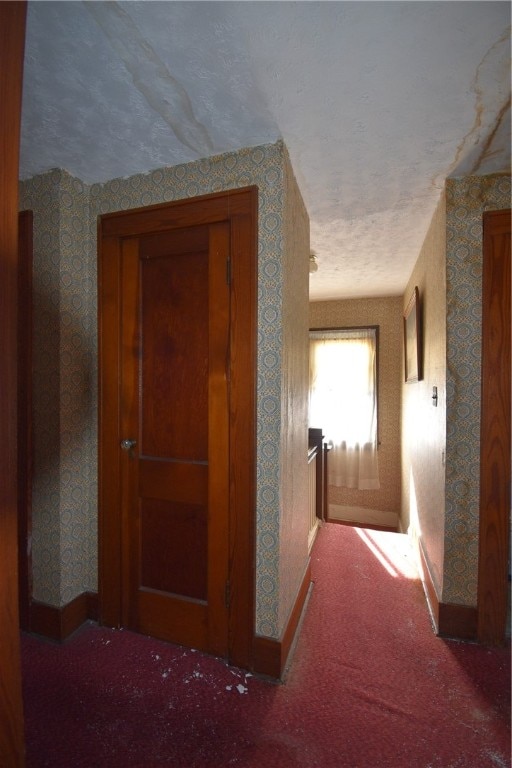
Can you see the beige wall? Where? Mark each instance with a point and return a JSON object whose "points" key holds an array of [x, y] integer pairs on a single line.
{"points": [[423, 425], [64, 494], [294, 528], [466, 200], [441, 503], [386, 313], [65, 381]]}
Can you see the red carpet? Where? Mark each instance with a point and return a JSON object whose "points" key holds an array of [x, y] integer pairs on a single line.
{"points": [[369, 686]]}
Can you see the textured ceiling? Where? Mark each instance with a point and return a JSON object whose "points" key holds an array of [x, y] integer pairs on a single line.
{"points": [[377, 102]]}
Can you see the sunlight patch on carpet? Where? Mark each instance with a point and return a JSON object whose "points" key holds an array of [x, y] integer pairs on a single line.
{"points": [[392, 550]]}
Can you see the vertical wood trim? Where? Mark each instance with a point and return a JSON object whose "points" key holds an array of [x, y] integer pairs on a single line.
{"points": [[12, 37], [244, 250], [129, 414], [25, 448], [495, 430], [218, 438], [109, 468]]}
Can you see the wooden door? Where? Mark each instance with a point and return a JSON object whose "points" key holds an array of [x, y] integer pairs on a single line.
{"points": [[174, 381], [177, 426], [495, 441]]}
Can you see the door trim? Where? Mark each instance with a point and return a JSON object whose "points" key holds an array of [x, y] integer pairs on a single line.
{"points": [[12, 41], [495, 437], [239, 208], [25, 442]]}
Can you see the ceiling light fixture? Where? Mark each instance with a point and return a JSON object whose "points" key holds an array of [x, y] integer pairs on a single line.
{"points": [[313, 266]]}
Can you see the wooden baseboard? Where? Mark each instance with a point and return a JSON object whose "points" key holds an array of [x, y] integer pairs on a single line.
{"points": [[450, 619], [59, 623], [355, 524], [270, 655], [458, 621], [428, 587]]}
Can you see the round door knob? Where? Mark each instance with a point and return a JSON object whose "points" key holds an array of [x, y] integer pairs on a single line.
{"points": [[127, 445]]}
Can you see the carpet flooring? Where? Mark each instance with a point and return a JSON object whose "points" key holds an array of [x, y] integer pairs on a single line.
{"points": [[369, 685]]}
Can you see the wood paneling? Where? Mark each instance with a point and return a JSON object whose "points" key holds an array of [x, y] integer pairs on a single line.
{"points": [[493, 588], [12, 36]]}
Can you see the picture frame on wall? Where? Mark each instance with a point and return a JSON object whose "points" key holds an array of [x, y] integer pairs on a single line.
{"points": [[413, 338]]}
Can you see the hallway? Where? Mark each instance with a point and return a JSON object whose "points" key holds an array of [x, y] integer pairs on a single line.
{"points": [[369, 684]]}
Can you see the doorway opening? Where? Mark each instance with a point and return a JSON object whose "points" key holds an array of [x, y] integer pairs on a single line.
{"points": [[343, 399]]}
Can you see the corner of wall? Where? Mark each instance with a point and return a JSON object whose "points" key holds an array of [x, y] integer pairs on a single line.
{"points": [[466, 200], [423, 423], [294, 514], [63, 385], [441, 448], [65, 221]]}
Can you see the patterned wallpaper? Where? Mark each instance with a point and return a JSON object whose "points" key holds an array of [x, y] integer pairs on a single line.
{"points": [[443, 501], [466, 200], [65, 536], [423, 425], [64, 493], [387, 313]]}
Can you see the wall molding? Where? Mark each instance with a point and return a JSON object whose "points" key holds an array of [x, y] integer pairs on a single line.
{"points": [[359, 524], [270, 656], [57, 623], [365, 517], [450, 620]]}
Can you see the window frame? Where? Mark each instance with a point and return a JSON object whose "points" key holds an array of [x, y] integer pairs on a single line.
{"points": [[376, 329]]}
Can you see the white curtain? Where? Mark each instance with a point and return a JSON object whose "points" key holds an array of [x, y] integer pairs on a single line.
{"points": [[343, 403]]}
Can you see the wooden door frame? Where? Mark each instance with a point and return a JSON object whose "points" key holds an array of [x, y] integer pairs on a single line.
{"points": [[12, 42], [240, 209], [495, 440], [25, 443]]}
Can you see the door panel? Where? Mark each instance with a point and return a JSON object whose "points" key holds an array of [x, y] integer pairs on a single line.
{"points": [[174, 349], [174, 369], [173, 543]]}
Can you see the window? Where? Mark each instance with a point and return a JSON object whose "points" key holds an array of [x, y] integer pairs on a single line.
{"points": [[343, 402]]}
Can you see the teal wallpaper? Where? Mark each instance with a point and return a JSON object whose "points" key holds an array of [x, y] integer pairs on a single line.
{"points": [[65, 497]]}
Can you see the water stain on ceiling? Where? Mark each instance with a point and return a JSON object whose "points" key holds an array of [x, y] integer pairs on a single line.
{"points": [[377, 102]]}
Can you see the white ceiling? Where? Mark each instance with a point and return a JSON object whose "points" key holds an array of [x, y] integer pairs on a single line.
{"points": [[377, 102]]}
